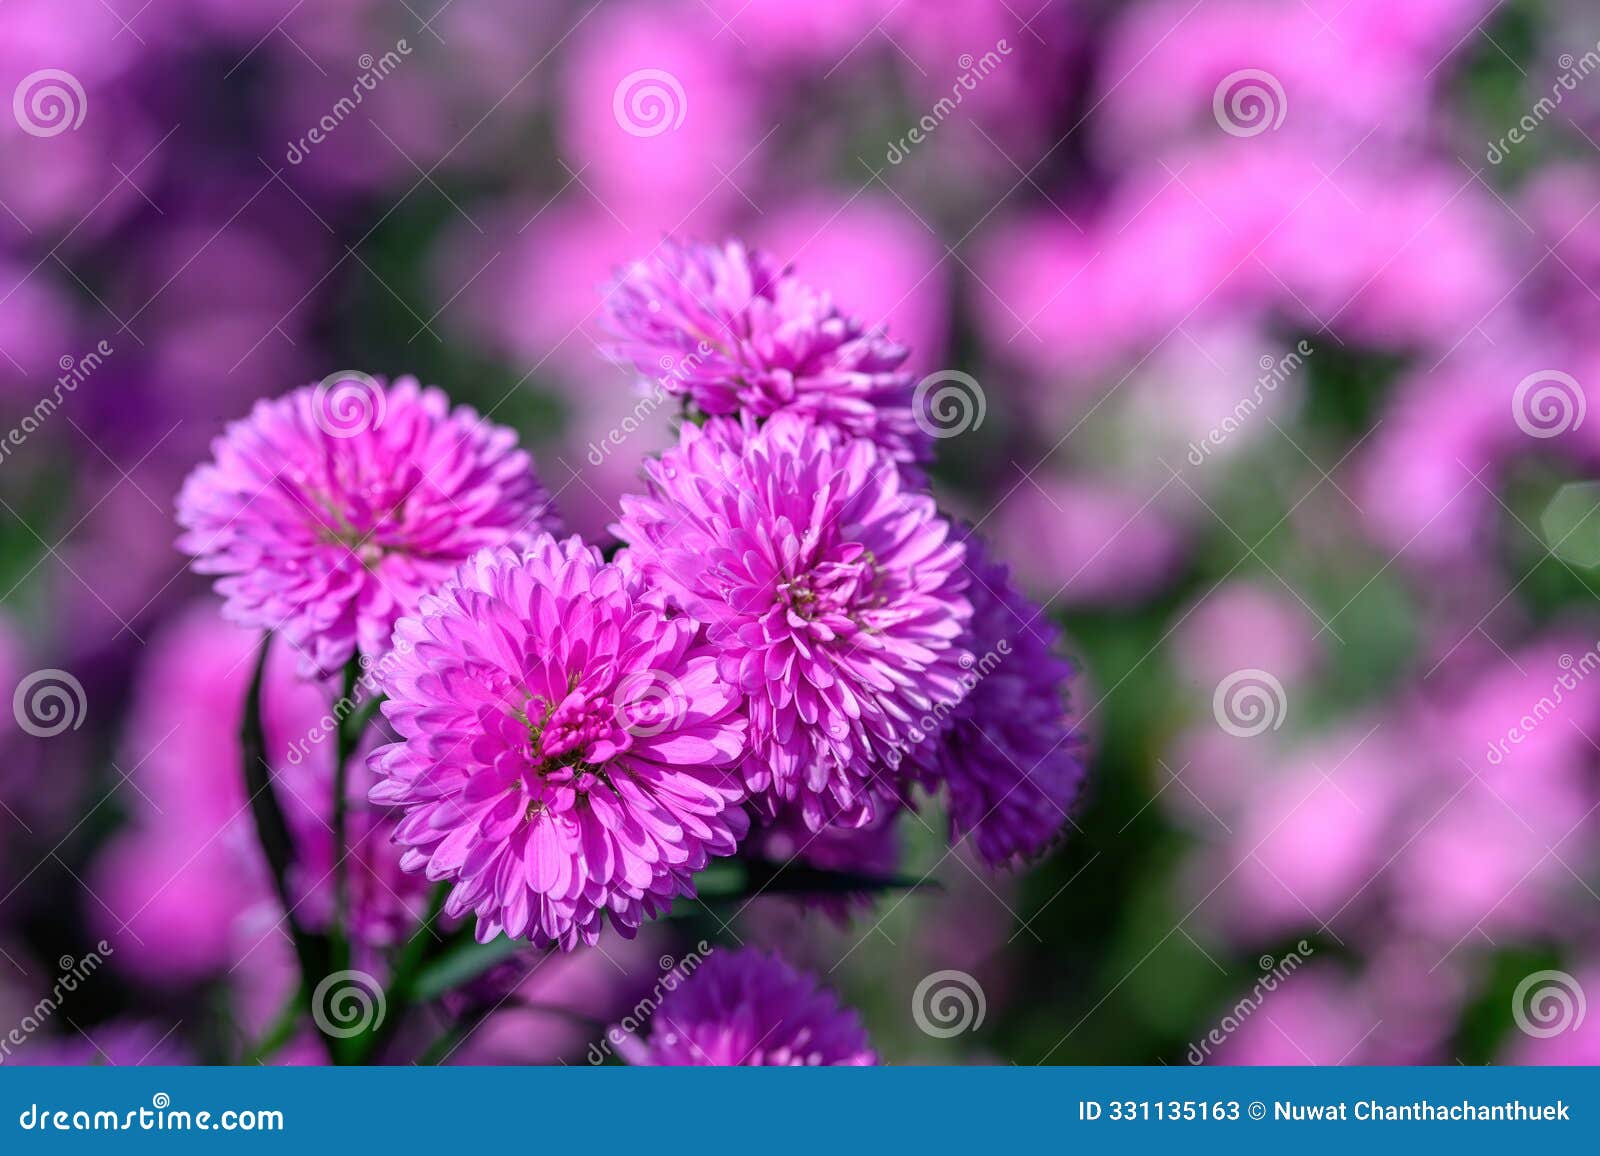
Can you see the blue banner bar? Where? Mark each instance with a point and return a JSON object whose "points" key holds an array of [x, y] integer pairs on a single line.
{"points": [[811, 1111]]}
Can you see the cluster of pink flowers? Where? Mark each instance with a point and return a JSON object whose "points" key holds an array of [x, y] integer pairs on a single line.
{"points": [[788, 617]]}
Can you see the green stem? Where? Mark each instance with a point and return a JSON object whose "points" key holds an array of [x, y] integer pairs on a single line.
{"points": [[282, 1029], [461, 959], [272, 829], [347, 740], [439, 1051], [765, 878], [401, 992], [364, 714]]}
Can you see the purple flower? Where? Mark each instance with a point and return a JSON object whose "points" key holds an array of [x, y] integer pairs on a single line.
{"points": [[331, 510], [736, 333], [566, 748], [749, 1009], [832, 594], [1008, 756]]}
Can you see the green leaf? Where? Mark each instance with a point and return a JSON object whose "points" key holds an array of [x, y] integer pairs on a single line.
{"points": [[760, 878], [462, 963]]}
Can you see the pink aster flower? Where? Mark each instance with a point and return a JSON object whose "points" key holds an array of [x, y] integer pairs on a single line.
{"points": [[735, 332], [832, 593], [750, 1009], [331, 510], [1008, 755], [565, 747]]}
